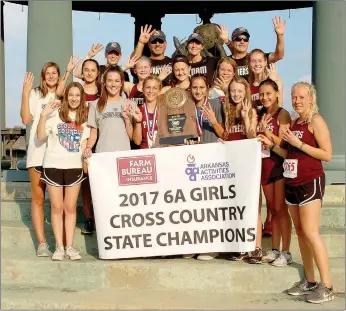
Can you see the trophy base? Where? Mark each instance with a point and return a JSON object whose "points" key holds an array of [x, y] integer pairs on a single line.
{"points": [[174, 140]]}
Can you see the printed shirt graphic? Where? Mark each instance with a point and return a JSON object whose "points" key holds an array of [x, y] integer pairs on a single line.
{"points": [[112, 135], [206, 66], [208, 133], [64, 146], [36, 148]]}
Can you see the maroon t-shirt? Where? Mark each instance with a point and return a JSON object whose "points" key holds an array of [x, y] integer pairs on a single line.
{"points": [[146, 126], [308, 168], [136, 96], [206, 66]]}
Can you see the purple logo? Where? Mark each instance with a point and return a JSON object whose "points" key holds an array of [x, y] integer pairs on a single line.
{"points": [[192, 171]]}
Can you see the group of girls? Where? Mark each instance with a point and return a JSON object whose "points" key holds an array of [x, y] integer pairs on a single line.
{"points": [[70, 123]]}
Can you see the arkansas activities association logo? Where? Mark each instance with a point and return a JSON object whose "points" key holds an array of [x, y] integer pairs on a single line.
{"points": [[137, 170], [207, 171]]}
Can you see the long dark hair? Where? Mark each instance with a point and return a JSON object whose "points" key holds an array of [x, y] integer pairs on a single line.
{"points": [[275, 87], [82, 110], [98, 79], [104, 93]]}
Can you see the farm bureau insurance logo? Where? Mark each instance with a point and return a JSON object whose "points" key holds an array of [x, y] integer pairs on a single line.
{"points": [[207, 171], [137, 170]]}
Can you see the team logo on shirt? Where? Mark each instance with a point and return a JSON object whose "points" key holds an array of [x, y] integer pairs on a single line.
{"points": [[70, 135], [137, 170], [207, 171]]}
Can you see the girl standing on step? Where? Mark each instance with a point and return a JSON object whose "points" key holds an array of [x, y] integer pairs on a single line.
{"points": [[92, 89], [308, 143], [272, 120], [33, 102], [65, 128]]}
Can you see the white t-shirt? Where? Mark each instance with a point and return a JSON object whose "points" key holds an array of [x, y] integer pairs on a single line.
{"points": [[64, 145], [36, 148]]}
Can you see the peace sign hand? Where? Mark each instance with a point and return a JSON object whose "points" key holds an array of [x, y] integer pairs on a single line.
{"points": [[145, 34], [94, 50], [28, 82], [223, 33], [279, 25], [126, 110], [72, 63], [51, 106], [131, 62]]}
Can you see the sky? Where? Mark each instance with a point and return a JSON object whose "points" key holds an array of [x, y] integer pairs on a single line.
{"points": [[90, 27]]}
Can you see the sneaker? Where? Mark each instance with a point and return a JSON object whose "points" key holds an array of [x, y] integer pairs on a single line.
{"points": [[284, 259], [188, 256], [302, 288], [321, 294], [271, 255], [238, 256], [72, 253], [267, 229], [207, 256], [255, 257], [43, 250], [59, 254], [89, 226]]}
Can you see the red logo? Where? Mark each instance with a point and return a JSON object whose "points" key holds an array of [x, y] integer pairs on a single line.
{"points": [[137, 170]]}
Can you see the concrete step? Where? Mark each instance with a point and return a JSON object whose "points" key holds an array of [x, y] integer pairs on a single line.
{"points": [[23, 268], [332, 216], [22, 235], [28, 297], [334, 194]]}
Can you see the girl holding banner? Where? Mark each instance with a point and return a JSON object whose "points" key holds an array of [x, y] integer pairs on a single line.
{"points": [[66, 132], [107, 118], [144, 133], [238, 115], [308, 143]]}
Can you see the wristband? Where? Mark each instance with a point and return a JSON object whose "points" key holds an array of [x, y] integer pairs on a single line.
{"points": [[272, 147], [300, 148]]}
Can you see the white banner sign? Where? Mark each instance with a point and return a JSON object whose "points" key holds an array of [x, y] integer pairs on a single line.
{"points": [[176, 200]]}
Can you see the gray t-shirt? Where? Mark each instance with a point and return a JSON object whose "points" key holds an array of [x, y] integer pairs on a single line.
{"points": [[209, 135], [112, 135]]}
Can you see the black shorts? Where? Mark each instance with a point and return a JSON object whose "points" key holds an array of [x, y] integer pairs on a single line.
{"points": [[304, 194], [38, 169], [62, 177]]}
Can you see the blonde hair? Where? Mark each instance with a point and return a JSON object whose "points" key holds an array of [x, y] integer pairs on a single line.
{"points": [[232, 115], [312, 93], [251, 74]]}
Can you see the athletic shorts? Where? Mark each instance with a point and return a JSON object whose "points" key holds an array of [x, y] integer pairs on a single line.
{"points": [[304, 194], [62, 177], [37, 169]]}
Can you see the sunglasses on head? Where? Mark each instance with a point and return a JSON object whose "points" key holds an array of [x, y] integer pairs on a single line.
{"points": [[157, 41], [238, 39]]}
